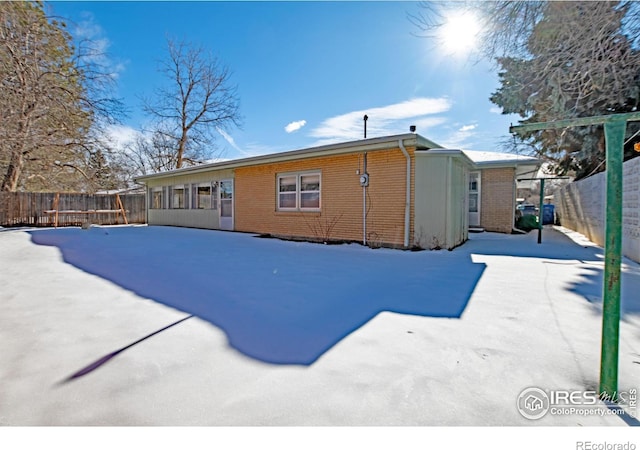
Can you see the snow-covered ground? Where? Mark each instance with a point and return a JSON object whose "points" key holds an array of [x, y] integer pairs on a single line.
{"points": [[288, 333]]}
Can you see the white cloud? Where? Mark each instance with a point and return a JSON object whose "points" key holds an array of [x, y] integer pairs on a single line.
{"points": [[424, 123], [121, 135], [94, 46], [295, 126], [468, 127], [227, 137], [495, 110], [385, 120], [463, 137]]}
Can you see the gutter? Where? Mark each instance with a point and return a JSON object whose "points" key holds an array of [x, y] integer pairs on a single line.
{"points": [[407, 203]]}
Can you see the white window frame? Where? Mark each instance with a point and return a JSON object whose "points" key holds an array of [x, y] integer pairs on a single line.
{"points": [[293, 194], [213, 195], [154, 191], [184, 196], [298, 192]]}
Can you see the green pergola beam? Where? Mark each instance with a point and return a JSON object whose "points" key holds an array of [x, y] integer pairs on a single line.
{"points": [[579, 122], [614, 130]]}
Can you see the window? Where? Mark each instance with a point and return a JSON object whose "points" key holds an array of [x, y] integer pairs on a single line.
{"points": [[178, 196], [473, 182], [474, 187], [299, 192], [156, 198], [214, 195], [205, 196], [288, 194], [310, 191], [473, 202]]}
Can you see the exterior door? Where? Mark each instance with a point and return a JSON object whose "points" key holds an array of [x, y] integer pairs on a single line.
{"points": [[226, 204], [474, 199]]}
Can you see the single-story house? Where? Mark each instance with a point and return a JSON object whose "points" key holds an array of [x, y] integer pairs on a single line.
{"points": [[402, 191]]}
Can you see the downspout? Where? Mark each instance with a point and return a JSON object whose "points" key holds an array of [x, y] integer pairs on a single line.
{"points": [[148, 202], [407, 203], [364, 197], [448, 210]]}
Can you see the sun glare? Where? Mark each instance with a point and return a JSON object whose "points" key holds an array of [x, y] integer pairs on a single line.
{"points": [[459, 34]]}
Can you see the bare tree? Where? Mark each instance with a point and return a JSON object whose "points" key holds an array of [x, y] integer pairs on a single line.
{"points": [[198, 98], [147, 154]]}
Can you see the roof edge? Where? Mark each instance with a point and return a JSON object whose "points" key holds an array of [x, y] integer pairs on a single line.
{"points": [[448, 151], [372, 144]]}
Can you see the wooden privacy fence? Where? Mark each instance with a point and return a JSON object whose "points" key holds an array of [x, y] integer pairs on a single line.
{"points": [[44, 209]]}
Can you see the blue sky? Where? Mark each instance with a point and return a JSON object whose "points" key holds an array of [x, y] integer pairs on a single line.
{"points": [[306, 72]]}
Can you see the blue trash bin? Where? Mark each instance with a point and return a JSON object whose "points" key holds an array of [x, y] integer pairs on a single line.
{"points": [[548, 214]]}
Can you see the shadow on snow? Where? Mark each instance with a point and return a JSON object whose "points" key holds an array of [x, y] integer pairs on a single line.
{"points": [[278, 302], [562, 250]]}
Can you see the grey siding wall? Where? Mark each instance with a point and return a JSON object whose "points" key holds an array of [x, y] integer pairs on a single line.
{"points": [[581, 207]]}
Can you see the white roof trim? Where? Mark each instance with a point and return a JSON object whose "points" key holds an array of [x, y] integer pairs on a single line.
{"points": [[380, 143]]}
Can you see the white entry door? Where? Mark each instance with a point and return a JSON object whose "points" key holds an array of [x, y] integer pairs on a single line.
{"points": [[226, 204], [474, 199]]}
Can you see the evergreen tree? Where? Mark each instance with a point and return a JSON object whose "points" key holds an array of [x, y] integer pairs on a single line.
{"points": [[560, 60], [49, 102], [580, 64]]}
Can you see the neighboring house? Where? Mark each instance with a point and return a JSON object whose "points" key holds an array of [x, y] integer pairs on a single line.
{"points": [[401, 191]]}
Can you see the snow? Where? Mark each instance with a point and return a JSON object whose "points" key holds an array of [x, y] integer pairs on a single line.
{"points": [[480, 157], [290, 333]]}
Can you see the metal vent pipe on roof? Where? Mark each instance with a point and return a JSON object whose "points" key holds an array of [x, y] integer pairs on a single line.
{"points": [[365, 125]]}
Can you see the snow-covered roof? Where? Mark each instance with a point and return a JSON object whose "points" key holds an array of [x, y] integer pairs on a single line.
{"points": [[482, 157], [525, 166]]}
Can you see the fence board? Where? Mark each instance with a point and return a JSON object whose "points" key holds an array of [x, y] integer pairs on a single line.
{"points": [[28, 208]]}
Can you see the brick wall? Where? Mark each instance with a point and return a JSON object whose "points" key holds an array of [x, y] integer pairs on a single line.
{"points": [[341, 199], [497, 199]]}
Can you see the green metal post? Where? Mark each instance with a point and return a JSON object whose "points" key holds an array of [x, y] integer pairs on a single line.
{"points": [[614, 134], [614, 130], [540, 211]]}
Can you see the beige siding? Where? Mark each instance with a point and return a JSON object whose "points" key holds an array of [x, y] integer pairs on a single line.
{"points": [[497, 206], [430, 206], [459, 202], [196, 218], [441, 219]]}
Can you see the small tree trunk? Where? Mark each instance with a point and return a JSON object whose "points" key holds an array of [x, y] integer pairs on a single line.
{"points": [[16, 164], [181, 146], [10, 182]]}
